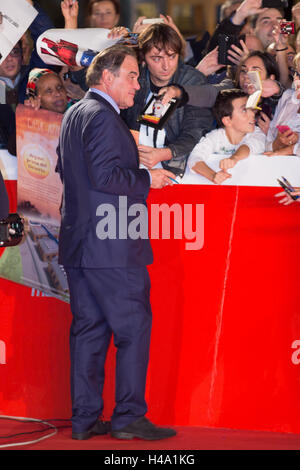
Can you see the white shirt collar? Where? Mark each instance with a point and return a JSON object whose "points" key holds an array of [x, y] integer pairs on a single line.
{"points": [[107, 98]]}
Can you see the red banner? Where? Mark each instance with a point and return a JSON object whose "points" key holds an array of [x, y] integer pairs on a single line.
{"points": [[225, 348]]}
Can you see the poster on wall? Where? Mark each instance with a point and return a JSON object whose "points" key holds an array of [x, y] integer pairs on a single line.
{"points": [[35, 261]]}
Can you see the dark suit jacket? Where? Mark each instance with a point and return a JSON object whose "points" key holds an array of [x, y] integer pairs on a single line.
{"points": [[4, 204], [98, 162]]}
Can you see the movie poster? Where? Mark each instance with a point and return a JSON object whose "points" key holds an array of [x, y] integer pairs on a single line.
{"points": [[34, 262]]}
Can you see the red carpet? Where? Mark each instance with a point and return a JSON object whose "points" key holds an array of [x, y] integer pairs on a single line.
{"points": [[188, 438]]}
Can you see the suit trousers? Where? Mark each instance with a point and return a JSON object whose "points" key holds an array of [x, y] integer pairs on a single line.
{"points": [[106, 302]]}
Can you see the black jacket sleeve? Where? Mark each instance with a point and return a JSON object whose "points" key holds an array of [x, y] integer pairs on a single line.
{"points": [[7, 128], [225, 27], [4, 205]]}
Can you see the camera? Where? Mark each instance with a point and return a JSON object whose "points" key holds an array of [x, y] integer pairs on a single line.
{"points": [[287, 27], [11, 230]]}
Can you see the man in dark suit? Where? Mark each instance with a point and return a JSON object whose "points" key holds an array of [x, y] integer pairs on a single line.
{"points": [[106, 269]]}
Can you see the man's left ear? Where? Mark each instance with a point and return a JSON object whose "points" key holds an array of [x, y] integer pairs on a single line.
{"points": [[272, 76], [226, 120]]}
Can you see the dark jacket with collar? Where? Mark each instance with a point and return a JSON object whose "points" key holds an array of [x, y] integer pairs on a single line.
{"points": [[98, 163], [186, 125], [4, 205]]}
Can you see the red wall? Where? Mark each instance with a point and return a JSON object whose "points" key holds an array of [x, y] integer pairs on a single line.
{"points": [[224, 322]]}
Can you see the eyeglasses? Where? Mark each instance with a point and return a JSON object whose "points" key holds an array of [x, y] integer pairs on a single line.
{"points": [[16, 52], [69, 75]]}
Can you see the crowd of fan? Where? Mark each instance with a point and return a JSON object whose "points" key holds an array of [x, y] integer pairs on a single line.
{"points": [[212, 116]]}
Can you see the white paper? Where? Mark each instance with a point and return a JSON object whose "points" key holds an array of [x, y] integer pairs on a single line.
{"points": [[256, 170], [17, 16], [255, 80], [72, 46], [253, 100], [8, 165]]}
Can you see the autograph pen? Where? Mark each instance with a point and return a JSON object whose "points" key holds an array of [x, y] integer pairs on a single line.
{"points": [[288, 183], [290, 188], [173, 180]]}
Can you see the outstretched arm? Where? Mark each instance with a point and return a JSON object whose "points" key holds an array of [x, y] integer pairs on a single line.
{"points": [[69, 9]]}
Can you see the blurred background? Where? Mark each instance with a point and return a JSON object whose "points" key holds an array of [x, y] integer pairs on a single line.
{"points": [[193, 17]]}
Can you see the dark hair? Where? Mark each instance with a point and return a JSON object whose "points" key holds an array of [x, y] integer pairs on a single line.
{"points": [[109, 59], [91, 4], [269, 61], [253, 19], [223, 105], [161, 36]]}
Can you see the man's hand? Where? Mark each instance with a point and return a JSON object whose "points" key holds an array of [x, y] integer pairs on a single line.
{"points": [[236, 55], [288, 138], [281, 40], [150, 156], [70, 11], [221, 176], [209, 64], [138, 26], [33, 102], [289, 150], [269, 88], [263, 122], [227, 163], [286, 199], [117, 32], [247, 8], [168, 93], [161, 178]]}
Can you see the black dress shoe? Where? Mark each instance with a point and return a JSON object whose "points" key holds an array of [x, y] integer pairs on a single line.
{"points": [[142, 428], [99, 428]]}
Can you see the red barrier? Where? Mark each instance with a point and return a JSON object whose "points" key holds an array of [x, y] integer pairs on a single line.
{"points": [[226, 321]]}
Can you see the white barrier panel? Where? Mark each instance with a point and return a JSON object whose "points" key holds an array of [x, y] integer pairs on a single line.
{"points": [[256, 170]]}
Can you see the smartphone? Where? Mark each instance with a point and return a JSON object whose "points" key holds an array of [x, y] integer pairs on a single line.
{"points": [[287, 27], [225, 42], [152, 20], [283, 129]]}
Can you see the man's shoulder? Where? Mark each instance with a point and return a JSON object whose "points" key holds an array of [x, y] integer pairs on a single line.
{"points": [[216, 134], [188, 75], [89, 104]]}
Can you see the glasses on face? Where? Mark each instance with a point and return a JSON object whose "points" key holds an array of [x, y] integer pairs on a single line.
{"points": [[101, 14], [16, 52]]}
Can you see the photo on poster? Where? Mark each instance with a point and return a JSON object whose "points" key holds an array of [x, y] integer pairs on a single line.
{"points": [[155, 114]]}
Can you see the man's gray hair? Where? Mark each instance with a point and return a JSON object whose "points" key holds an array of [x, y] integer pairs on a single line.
{"points": [[109, 59]]}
